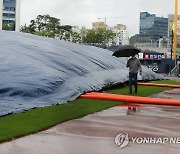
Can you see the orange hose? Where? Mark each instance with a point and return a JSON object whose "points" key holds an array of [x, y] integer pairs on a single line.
{"points": [[158, 84], [132, 99]]}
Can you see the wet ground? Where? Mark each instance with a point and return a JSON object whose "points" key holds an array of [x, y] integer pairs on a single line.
{"points": [[95, 133]]}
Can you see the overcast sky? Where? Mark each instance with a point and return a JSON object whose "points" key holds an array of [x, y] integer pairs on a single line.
{"points": [[84, 12]]}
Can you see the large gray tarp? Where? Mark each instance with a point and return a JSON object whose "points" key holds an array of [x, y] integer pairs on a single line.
{"points": [[37, 71]]}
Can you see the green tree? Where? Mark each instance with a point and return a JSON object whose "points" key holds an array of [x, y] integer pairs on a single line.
{"points": [[45, 25], [99, 36], [134, 39], [66, 28]]}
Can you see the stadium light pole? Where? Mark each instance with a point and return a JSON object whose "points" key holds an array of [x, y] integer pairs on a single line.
{"points": [[175, 30]]}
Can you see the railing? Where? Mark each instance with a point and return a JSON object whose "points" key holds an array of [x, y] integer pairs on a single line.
{"points": [[175, 70], [9, 12], [8, 18]]}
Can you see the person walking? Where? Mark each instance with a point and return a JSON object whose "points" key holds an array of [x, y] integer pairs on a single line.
{"points": [[134, 66]]}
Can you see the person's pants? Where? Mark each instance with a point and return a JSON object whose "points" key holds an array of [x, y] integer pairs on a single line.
{"points": [[132, 77]]}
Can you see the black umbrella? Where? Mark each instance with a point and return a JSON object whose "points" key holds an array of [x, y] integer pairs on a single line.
{"points": [[126, 51]]}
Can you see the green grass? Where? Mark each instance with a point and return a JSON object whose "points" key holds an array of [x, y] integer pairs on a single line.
{"points": [[20, 124], [144, 90], [167, 82], [35, 120]]}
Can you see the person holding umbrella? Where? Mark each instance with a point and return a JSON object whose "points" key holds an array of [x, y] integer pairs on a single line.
{"points": [[133, 63], [134, 66]]}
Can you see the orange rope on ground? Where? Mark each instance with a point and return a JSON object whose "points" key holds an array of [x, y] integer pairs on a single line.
{"points": [[158, 84], [131, 99]]}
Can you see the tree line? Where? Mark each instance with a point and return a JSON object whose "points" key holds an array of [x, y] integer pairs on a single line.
{"points": [[45, 25]]}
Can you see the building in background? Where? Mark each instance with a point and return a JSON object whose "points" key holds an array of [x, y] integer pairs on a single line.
{"points": [[10, 15], [122, 34], [97, 25], [152, 28], [163, 44]]}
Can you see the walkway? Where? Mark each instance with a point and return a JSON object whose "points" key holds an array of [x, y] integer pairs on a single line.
{"points": [[95, 133]]}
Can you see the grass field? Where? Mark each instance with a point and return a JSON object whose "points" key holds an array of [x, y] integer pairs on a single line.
{"points": [[20, 124]]}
